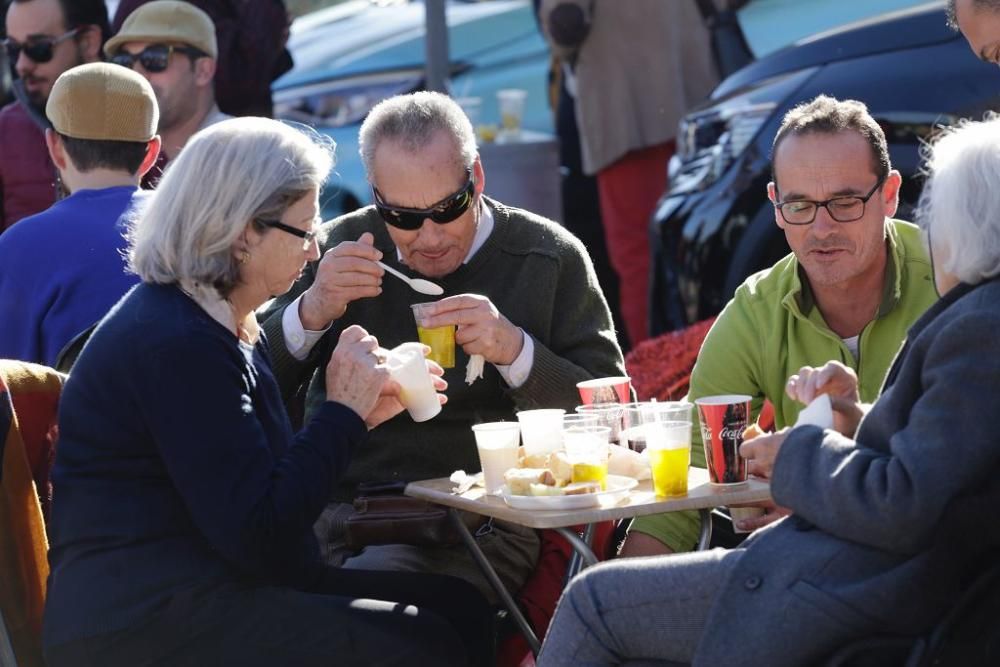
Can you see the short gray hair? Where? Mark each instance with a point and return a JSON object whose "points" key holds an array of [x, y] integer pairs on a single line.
{"points": [[960, 204], [228, 176], [414, 120]]}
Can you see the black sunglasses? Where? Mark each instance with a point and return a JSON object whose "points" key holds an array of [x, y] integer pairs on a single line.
{"points": [[307, 237], [447, 210], [39, 49], [154, 58]]}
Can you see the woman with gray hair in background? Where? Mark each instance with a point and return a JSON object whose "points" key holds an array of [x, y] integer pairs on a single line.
{"points": [[887, 527], [182, 529]]}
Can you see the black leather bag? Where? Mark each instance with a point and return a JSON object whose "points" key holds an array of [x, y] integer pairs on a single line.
{"points": [[383, 515]]}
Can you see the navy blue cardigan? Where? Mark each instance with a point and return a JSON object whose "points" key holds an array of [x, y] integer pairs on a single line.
{"points": [[177, 468]]}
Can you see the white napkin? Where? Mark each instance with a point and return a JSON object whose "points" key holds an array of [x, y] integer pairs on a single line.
{"points": [[818, 413], [625, 462], [474, 370], [464, 481]]}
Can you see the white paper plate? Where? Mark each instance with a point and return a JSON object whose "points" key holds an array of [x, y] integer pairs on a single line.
{"points": [[618, 488]]}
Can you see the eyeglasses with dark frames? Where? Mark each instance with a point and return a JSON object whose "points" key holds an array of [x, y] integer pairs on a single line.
{"points": [[841, 209], [307, 236], [39, 49], [155, 58], [447, 210]]}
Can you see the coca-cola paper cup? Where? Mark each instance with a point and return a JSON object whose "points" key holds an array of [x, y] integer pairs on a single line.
{"points": [[723, 420], [605, 390]]}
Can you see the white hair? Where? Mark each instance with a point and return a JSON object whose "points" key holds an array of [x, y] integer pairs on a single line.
{"points": [[960, 206], [229, 175], [414, 120]]}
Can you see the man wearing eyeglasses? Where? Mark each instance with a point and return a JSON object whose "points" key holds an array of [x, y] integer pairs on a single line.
{"points": [[44, 39], [173, 45], [854, 283], [520, 289]]}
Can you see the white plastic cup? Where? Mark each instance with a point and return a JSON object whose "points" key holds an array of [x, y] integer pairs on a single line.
{"points": [[511, 103], [741, 513], [541, 430], [497, 445], [409, 368]]}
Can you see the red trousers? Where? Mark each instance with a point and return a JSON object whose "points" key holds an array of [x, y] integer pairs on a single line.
{"points": [[629, 189]]}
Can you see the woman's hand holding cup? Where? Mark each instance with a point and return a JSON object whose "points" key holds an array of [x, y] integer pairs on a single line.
{"points": [[357, 377]]}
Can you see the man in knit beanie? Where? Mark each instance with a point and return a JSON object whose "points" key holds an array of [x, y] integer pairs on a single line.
{"points": [[62, 269]]}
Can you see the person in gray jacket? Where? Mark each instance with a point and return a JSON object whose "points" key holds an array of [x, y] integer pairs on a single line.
{"points": [[887, 528]]}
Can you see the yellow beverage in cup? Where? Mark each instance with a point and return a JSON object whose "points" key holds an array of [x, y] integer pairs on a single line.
{"points": [[670, 470], [441, 340], [591, 472], [487, 132]]}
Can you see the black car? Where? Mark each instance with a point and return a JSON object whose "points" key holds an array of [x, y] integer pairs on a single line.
{"points": [[715, 225]]}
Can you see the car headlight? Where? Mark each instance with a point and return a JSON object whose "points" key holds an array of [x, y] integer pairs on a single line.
{"points": [[711, 139], [341, 102]]}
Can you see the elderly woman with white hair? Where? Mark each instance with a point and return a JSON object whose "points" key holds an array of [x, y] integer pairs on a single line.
{"points": [[181, 532], [887, 526]]}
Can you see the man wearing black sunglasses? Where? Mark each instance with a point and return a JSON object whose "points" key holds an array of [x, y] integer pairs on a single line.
{"points": [[44, 39], [520, 289], [173, 45]]}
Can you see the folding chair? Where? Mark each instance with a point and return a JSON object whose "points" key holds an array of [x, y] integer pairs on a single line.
{"points": [[29, 396]]}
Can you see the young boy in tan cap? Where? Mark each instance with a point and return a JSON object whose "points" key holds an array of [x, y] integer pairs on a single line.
{"points": [[62, 269], [173, 45]]}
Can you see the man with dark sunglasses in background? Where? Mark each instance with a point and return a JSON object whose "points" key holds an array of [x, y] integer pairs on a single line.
{"points": [[173, 45], [44, 39], [251, 35], [520, 289]]}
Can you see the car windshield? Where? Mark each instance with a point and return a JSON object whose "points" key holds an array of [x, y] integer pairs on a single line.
{"points": [[769, 25]]}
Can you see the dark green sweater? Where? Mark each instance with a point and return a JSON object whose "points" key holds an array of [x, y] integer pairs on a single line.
{"points": [[536, 273]]}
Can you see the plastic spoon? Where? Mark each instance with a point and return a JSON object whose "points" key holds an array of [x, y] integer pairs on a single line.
{"points": [[416, 284]]}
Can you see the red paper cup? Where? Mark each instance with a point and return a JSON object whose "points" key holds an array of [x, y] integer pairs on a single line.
{"points": [[723, 420], [605, 390]]}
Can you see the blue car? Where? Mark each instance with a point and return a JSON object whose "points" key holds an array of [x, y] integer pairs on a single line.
{"points": [[353, 55]]}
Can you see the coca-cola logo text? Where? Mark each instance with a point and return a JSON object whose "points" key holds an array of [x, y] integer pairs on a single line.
{"points": [[731, 434]]}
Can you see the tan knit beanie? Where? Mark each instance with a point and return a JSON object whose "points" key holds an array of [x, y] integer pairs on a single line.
{"points": [[101, 101]]}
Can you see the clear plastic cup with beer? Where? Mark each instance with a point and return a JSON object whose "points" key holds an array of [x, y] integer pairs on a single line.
{"points": [[441, 340], [667, 431], [587, 450]]}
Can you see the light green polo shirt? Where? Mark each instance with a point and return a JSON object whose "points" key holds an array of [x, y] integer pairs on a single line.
{"points": [[772, 328]]}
